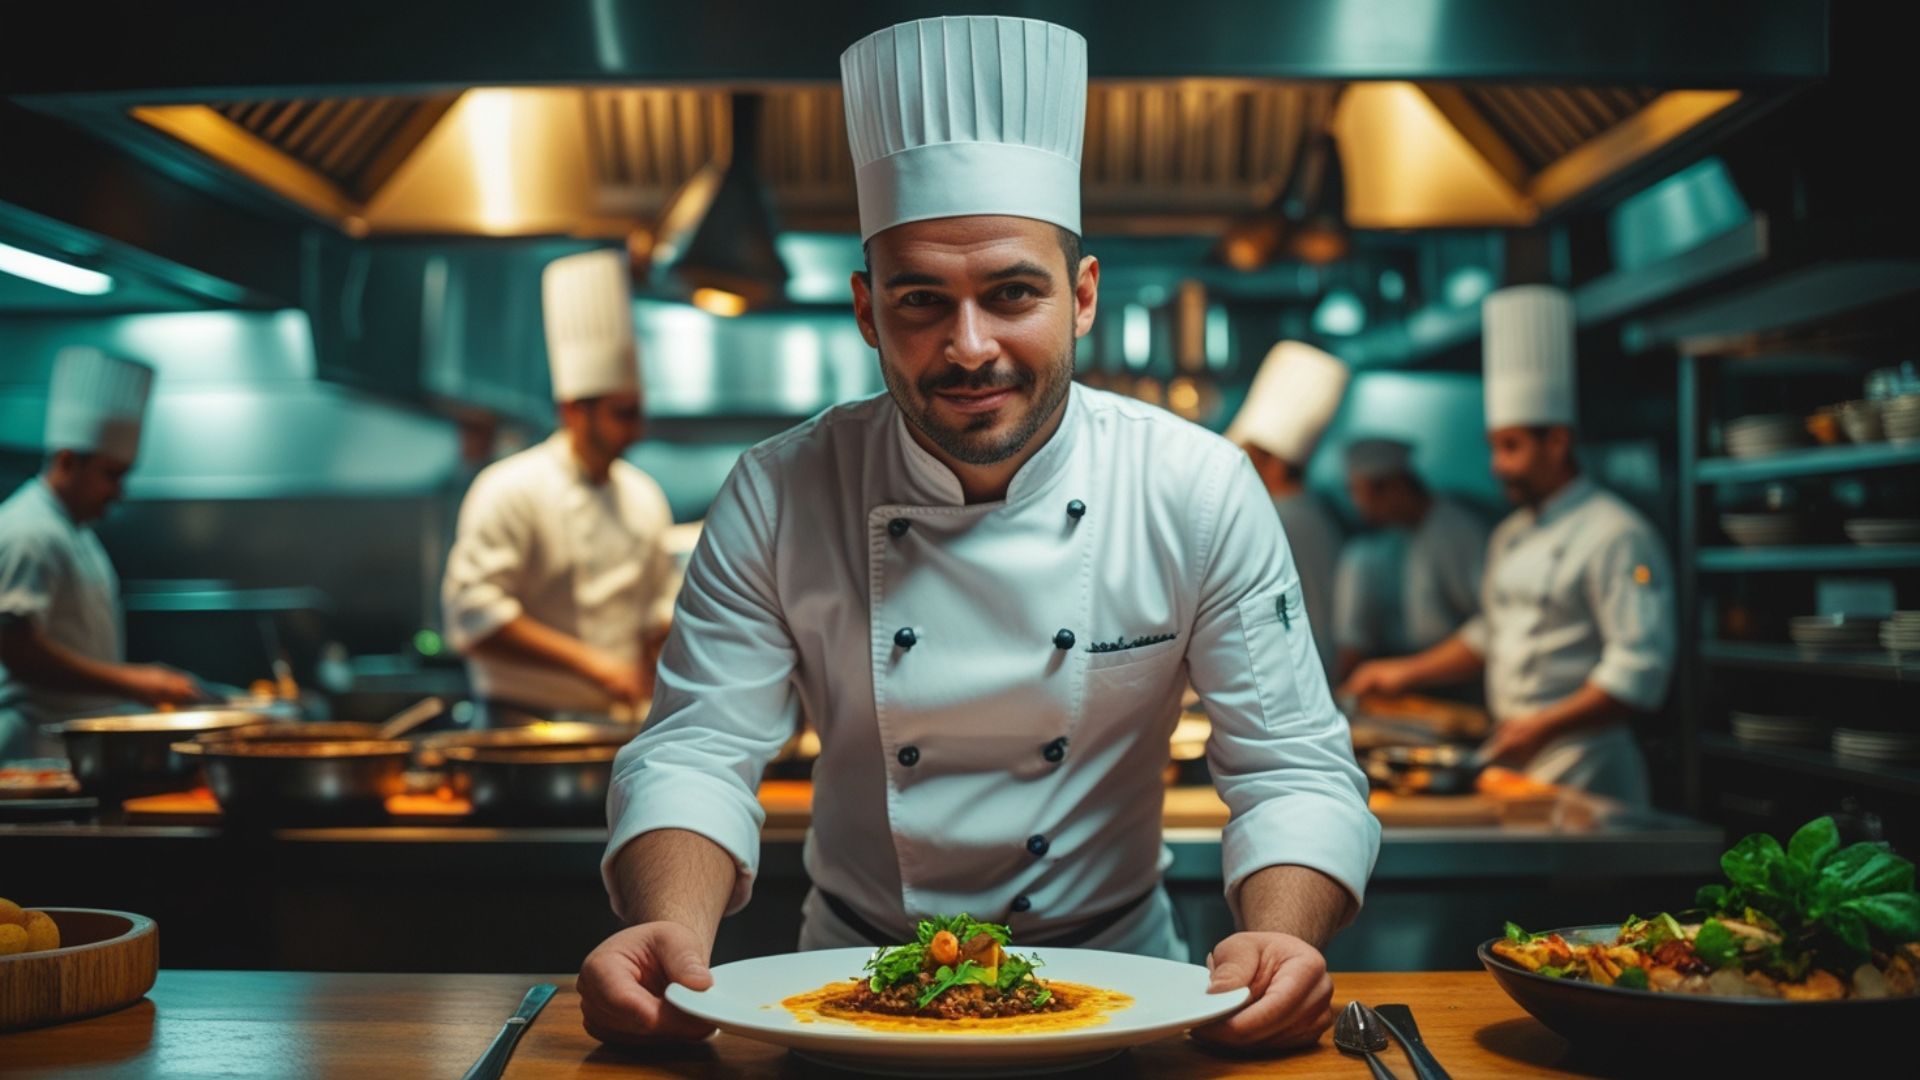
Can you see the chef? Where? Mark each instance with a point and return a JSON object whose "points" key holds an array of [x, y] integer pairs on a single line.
{"points": [[1415, 581], [560, 582], [987, 589], [1294, 396], [1576, 629], [60, 633]]}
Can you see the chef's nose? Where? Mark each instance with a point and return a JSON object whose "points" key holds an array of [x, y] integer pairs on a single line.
{"points": [[973, 344]]}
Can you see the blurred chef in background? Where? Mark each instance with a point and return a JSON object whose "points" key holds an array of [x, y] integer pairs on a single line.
{"points": [[560, 585], [1416, 580], [1576, 630], [61, 647], [1294, 396]]}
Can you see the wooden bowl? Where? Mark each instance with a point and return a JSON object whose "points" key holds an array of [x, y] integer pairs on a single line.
{"points": [[107, 961]]}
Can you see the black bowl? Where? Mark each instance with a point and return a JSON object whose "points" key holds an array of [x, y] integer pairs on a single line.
{"points": [[1610, 1019]]}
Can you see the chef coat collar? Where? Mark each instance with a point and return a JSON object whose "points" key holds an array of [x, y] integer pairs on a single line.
{"points": [[560, 444], [44, 492], [937, 483], [1561, 502]]}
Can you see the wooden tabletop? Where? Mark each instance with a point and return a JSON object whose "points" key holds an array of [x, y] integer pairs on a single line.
{"points": [[292, 1025]]}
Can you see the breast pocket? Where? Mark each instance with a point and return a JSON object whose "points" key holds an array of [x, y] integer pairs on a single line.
{"points": [[1123, 681], [1284, 664]]}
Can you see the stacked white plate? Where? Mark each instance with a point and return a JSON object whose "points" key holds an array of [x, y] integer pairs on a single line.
{"points": [[1900, 418], [1776, 730], [1880, 532], [1835, 631], [1898, 747], [1763, 530], [1756, 436], [1901, 632]]}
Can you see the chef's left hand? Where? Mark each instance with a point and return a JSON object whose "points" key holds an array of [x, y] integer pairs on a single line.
{"points": [[1291, 1000], [1516, 741]]}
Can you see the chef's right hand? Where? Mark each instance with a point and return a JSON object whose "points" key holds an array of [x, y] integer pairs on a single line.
{"points": [[157, 684], [1379, 677], [623, 985], [621, 681]]}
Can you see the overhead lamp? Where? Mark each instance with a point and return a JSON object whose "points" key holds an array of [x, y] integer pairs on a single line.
{"points": [[1315, 203], [716, 238], [53, 273]]}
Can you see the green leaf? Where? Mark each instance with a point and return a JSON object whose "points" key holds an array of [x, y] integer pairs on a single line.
{"points": [[1755, 863], [1712, 898], [945, 979], [1813, 843], [1716, 944], [1850, 927], [1896, 915], [1042, 997], [1866, 869], [1519, 936], [1632, 978], [1552, 972]]}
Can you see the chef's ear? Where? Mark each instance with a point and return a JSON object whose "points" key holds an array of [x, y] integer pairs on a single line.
{"points": [[863, 307], [1086, 295]]}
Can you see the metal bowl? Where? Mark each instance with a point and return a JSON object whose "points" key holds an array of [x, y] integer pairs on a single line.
{"points": [[533, 785], [117, 757], [538, 736], [263, 782]]}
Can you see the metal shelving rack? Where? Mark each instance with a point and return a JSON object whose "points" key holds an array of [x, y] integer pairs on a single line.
{"points": [[1714, 347]]}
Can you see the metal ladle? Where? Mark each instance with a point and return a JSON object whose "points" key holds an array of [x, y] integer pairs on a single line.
{"points": [[1358, 1031]]}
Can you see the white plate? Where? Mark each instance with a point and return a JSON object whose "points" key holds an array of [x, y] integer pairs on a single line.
{"points": [[1168, 998]]}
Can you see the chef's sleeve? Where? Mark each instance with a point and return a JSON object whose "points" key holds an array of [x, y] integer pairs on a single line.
{"points": [[1280, 752], [1351, 625], [662, 571], [480, 592], [1630, 589], [29, 573], [723, 704]]}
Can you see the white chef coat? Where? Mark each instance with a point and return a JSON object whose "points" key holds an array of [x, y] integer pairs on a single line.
{"points": [[54, 574], [1405, 590], [994, 685], [1316, 538], [1579, 591], [536, 536]]}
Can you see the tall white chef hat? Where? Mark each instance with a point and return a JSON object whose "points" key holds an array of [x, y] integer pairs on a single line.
{"points": [[1377, 458], [1292, 400], [1529, 334], [966, 115], [588, 304], [96, 403]]}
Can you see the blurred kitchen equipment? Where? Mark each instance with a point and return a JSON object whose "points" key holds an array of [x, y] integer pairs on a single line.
{"points": [[552, 774], [1427, 770], [296, 731], [116, 757], [1860, 420], [1758, 436], [262, 782]]}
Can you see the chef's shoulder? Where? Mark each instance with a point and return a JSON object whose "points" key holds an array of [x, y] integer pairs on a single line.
{"points": [[512, 484], [1174, 456], [636, 483], [1610, 525], [835, 442], [26, 533]]}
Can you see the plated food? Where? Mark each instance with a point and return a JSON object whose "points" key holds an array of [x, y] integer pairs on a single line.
{"points": [[957, 974], [24, 931]]}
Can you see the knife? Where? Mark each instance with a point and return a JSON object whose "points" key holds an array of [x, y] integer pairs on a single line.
{"points": [[494, 1062], [1399, 1020]]}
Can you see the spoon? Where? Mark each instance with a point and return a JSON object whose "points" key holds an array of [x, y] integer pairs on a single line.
{"points": [[1358, 1031], [411, 717]]}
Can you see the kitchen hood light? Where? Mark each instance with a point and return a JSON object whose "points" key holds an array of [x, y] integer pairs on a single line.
{"points": [[1315, 201], [719, 302], [53, 272], [718, 233]]}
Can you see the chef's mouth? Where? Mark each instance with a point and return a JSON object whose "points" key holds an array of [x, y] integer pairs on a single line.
{"points": [[977, 401]]}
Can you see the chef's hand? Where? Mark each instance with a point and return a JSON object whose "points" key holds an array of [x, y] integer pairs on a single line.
{"points": [[1517, 741], [1291, 1003], [1379, 677], [622, 681], [157, 684], [623, 985]]}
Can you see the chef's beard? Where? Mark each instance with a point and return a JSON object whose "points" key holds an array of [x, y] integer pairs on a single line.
{"points": [[1044, 388]]}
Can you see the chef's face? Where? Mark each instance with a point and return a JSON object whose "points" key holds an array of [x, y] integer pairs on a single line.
{"points": [[1531, 462], [605, 425], [974, 319], [88, 483], [1373, 498]]}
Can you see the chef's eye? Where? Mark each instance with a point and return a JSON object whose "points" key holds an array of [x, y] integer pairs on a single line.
{"points": [[919, 298], [1018, 291]]}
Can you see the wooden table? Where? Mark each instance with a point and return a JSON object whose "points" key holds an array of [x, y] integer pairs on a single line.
{"points": [[291, 1025]]}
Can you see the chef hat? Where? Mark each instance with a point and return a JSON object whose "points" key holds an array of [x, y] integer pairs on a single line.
{"points": [[589, 314], [1293, 398], [1529, 357], [96, 403], [1376, 459], [966, 115]]}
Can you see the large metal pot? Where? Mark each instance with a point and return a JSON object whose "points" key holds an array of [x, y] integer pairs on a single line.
{"points": [[533, 786], [265, 782], [118, 757]]}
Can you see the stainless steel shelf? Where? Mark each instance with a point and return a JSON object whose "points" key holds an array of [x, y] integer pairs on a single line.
{"points": [[1812, 461], [1813, 761], [1852, 663], [1723, 560]]}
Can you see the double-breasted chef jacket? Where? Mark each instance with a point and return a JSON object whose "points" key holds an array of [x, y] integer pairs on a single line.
{"points": [[994, 685]]}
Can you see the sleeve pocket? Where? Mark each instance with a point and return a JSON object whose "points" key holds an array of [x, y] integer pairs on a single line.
{"points": [[1280, 653]]}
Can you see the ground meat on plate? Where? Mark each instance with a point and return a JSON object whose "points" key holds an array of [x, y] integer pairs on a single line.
{"points": [[957, 1003]]}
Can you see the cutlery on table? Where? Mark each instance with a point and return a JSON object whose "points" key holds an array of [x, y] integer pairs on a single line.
{"points": [[1399, 1021], [494, 1062], [1358, 1031]]}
